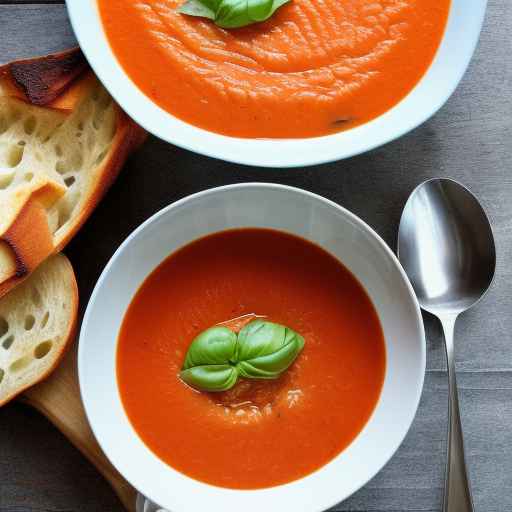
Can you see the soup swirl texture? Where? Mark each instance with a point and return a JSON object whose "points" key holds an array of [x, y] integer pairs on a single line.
{"points": [[314, 68]]}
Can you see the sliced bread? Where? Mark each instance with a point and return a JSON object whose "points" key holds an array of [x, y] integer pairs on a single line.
{"points": [[57, 124], [37, 324]]}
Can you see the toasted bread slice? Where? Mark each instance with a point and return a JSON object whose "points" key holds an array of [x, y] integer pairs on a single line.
{"points": [[37, 323], [79, 141]]}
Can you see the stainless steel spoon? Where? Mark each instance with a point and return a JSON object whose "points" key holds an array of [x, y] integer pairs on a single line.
{"points": [[446, 246]]}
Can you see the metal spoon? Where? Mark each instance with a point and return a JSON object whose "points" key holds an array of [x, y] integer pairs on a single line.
{"points": [[446, 246]]}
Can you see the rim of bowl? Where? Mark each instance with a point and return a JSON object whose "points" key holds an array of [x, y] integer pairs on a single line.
{"points": [[424, 100], [322, 503]]}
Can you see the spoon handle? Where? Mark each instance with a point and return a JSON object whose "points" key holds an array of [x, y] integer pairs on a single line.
{"points": [[457, 494]]}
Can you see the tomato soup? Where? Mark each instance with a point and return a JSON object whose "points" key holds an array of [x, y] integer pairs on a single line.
{"points": [[260, 433], [314, 68]]}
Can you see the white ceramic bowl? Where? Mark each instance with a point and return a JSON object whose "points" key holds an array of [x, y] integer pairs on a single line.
{"points": [[269, 206], [461, 36]]}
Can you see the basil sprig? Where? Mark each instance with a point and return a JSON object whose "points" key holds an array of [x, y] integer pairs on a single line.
{"points": [[232, 13], [217, 357]]}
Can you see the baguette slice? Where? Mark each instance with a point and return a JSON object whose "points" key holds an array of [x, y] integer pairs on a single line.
{"points": [[59, 124], [37, 324]]}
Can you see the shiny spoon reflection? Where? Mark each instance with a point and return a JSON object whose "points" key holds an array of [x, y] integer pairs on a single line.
{"points": [[446, 246]]}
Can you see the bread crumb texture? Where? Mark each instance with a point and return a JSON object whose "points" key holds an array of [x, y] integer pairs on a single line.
{"points": [[65, 147], [36, 324]]}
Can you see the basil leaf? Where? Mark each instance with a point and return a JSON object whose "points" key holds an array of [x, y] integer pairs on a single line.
{"points": [[217, 357], [215, 346], [265, 349], [232, 13], [272, 365], [219, 377], [197, 8], [259, 10], [259, 338]]}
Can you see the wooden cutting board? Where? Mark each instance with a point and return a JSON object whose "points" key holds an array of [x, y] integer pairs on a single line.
{"points": [[58, 398]]}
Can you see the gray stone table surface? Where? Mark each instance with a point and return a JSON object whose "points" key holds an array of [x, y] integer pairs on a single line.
{"points": [[470, 139]]}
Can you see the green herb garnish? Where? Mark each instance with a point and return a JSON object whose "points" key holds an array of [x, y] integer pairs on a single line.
{"points": [[232, 13], [218, 357]]}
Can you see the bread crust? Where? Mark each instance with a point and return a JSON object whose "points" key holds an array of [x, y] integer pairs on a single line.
{"points": [[41, 80], [28, 235], [69, 336], [29, 238]]}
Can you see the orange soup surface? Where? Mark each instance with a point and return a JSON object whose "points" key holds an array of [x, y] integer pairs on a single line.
{"points": [[260, 433], [314, 68]]}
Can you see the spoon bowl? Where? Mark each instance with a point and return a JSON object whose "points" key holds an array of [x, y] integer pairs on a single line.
{"points": [[446, 246]]}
